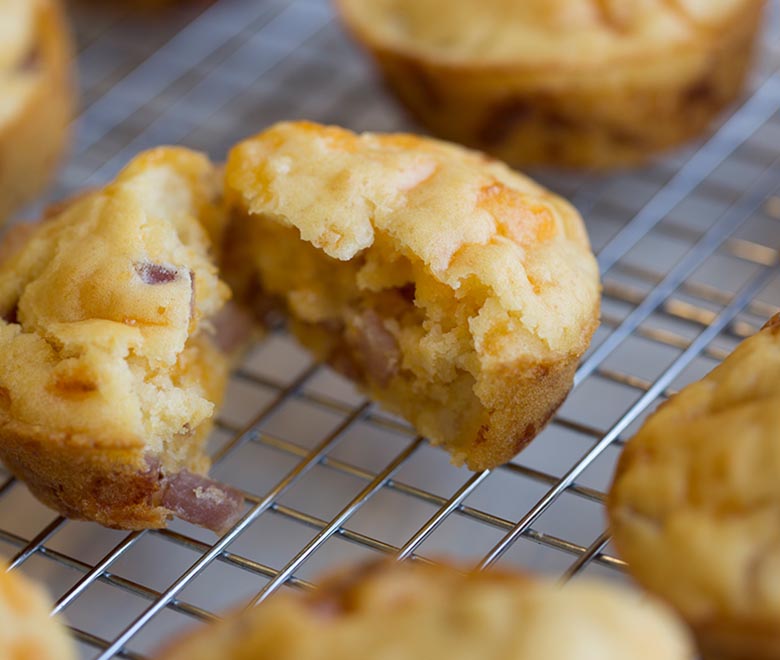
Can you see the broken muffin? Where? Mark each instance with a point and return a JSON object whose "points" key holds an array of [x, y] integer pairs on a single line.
{"points": [[454, 291], [110, 370]]}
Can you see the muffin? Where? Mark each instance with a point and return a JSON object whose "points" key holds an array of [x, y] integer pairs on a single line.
{"points": [[693, 507], [36, 97], [452, 290], [27, 632], [110, 368], [576, 83], [417, 612]]}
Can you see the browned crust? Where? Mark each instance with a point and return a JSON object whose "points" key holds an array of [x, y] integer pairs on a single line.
{"points": [[524, 398], [550, 115], [81, 480], [113, 481], [33, 144], [521, 400]]}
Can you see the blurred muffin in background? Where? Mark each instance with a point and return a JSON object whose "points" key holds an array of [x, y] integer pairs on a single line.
{"points": [[576, 83], [36, 97], [414, 611]]}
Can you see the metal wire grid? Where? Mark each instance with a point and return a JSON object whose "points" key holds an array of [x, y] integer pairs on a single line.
{"points": [[689, 251]]}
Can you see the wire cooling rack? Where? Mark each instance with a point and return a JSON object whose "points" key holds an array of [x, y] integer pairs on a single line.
{"points": [[688, 249]]}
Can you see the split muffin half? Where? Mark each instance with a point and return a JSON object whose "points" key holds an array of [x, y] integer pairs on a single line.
{"points": [[110, 370], [454, 291]]}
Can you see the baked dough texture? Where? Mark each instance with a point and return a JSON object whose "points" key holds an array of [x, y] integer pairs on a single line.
{"points": [[109, 368], [419, 612], [456, 292], [36, 97], [694, 504], [579, 83], [27, 632]]}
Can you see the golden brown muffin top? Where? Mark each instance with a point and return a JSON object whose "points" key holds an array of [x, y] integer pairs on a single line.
{"points": [[516, 252], [99, 303], [537, 32], [27, 632], [418, 612], [695, 500]]}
